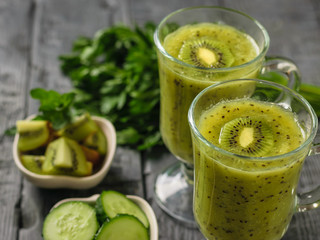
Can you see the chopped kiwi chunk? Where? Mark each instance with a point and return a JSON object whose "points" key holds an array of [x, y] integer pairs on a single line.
{"points": [[32, 134], [33, 162], [97, 141], [80, 128], [57, 161]]}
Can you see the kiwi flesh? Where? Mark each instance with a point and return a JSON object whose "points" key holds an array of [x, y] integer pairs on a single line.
{"points": [[247, 136], [32, 134], [206, 52], [64, 155], [96, 141], [60, 153], [33, 162], [80, 128]]}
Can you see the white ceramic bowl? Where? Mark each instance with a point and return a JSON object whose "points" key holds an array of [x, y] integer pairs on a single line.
{"points": [[54, 181], [143, 204]]}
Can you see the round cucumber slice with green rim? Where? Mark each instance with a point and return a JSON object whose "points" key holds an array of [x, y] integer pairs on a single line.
{"points": [[123, 227], [111, 203], [72, 220]]}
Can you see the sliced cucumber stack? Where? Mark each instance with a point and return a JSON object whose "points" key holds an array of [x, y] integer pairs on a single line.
{"points": [[72, 220], [120, 219]]}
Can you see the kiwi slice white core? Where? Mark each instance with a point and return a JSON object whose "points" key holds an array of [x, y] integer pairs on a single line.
{"points": [[247, 136], [209, 57]]}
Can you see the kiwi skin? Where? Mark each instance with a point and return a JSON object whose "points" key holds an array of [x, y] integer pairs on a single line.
{"points": [[92, 155]]}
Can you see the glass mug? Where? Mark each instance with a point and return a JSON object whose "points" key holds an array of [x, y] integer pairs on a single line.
{"points": [[181, 82], [250, 197]]}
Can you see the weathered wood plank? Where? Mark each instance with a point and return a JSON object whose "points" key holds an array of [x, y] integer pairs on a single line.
{"points": [[56, 25], [15, 24], [293, 29], [152, 10]]}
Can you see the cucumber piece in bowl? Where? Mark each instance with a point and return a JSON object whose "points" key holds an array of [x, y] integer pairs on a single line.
{"points": [[72, 220], [112, 203], [125, 227]]}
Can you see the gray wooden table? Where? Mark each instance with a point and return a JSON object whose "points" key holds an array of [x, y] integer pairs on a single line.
{"points": [[33, 33]]}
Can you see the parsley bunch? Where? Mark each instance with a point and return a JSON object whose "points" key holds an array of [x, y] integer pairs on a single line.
{"points": [[115, 75]]}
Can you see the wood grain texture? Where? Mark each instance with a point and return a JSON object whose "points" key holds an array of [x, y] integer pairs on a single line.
{"points": [[53, 26], [15, 38], [293, 29]]}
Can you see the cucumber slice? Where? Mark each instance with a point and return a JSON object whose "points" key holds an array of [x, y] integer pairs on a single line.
{"points": [[72, 220], [123, 227], [111, 203]]}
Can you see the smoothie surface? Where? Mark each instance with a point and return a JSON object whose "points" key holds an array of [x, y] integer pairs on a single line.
{"points": [[242, 46], [280, 126]]}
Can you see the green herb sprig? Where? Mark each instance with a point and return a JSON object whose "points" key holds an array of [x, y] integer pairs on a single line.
{"points": [[55, 107], [115, 75]]}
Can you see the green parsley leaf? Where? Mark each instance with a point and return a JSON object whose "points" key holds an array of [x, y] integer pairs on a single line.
{"points": [[115, 75], [54, 107]]}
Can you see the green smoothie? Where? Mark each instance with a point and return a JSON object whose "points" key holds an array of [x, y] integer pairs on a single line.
{"points": [[180, 83], [247, 198]]}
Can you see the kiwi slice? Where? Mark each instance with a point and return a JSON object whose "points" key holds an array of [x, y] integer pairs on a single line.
{"points": [[247, 136], [96, 141], [33, 162], [64, 156], [32, 134], [80, 128], [206, 52]]}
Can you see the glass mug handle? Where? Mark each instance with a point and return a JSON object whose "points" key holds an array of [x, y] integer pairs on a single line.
{"points": [[284, 71], [310, 200], [281, 70]]}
